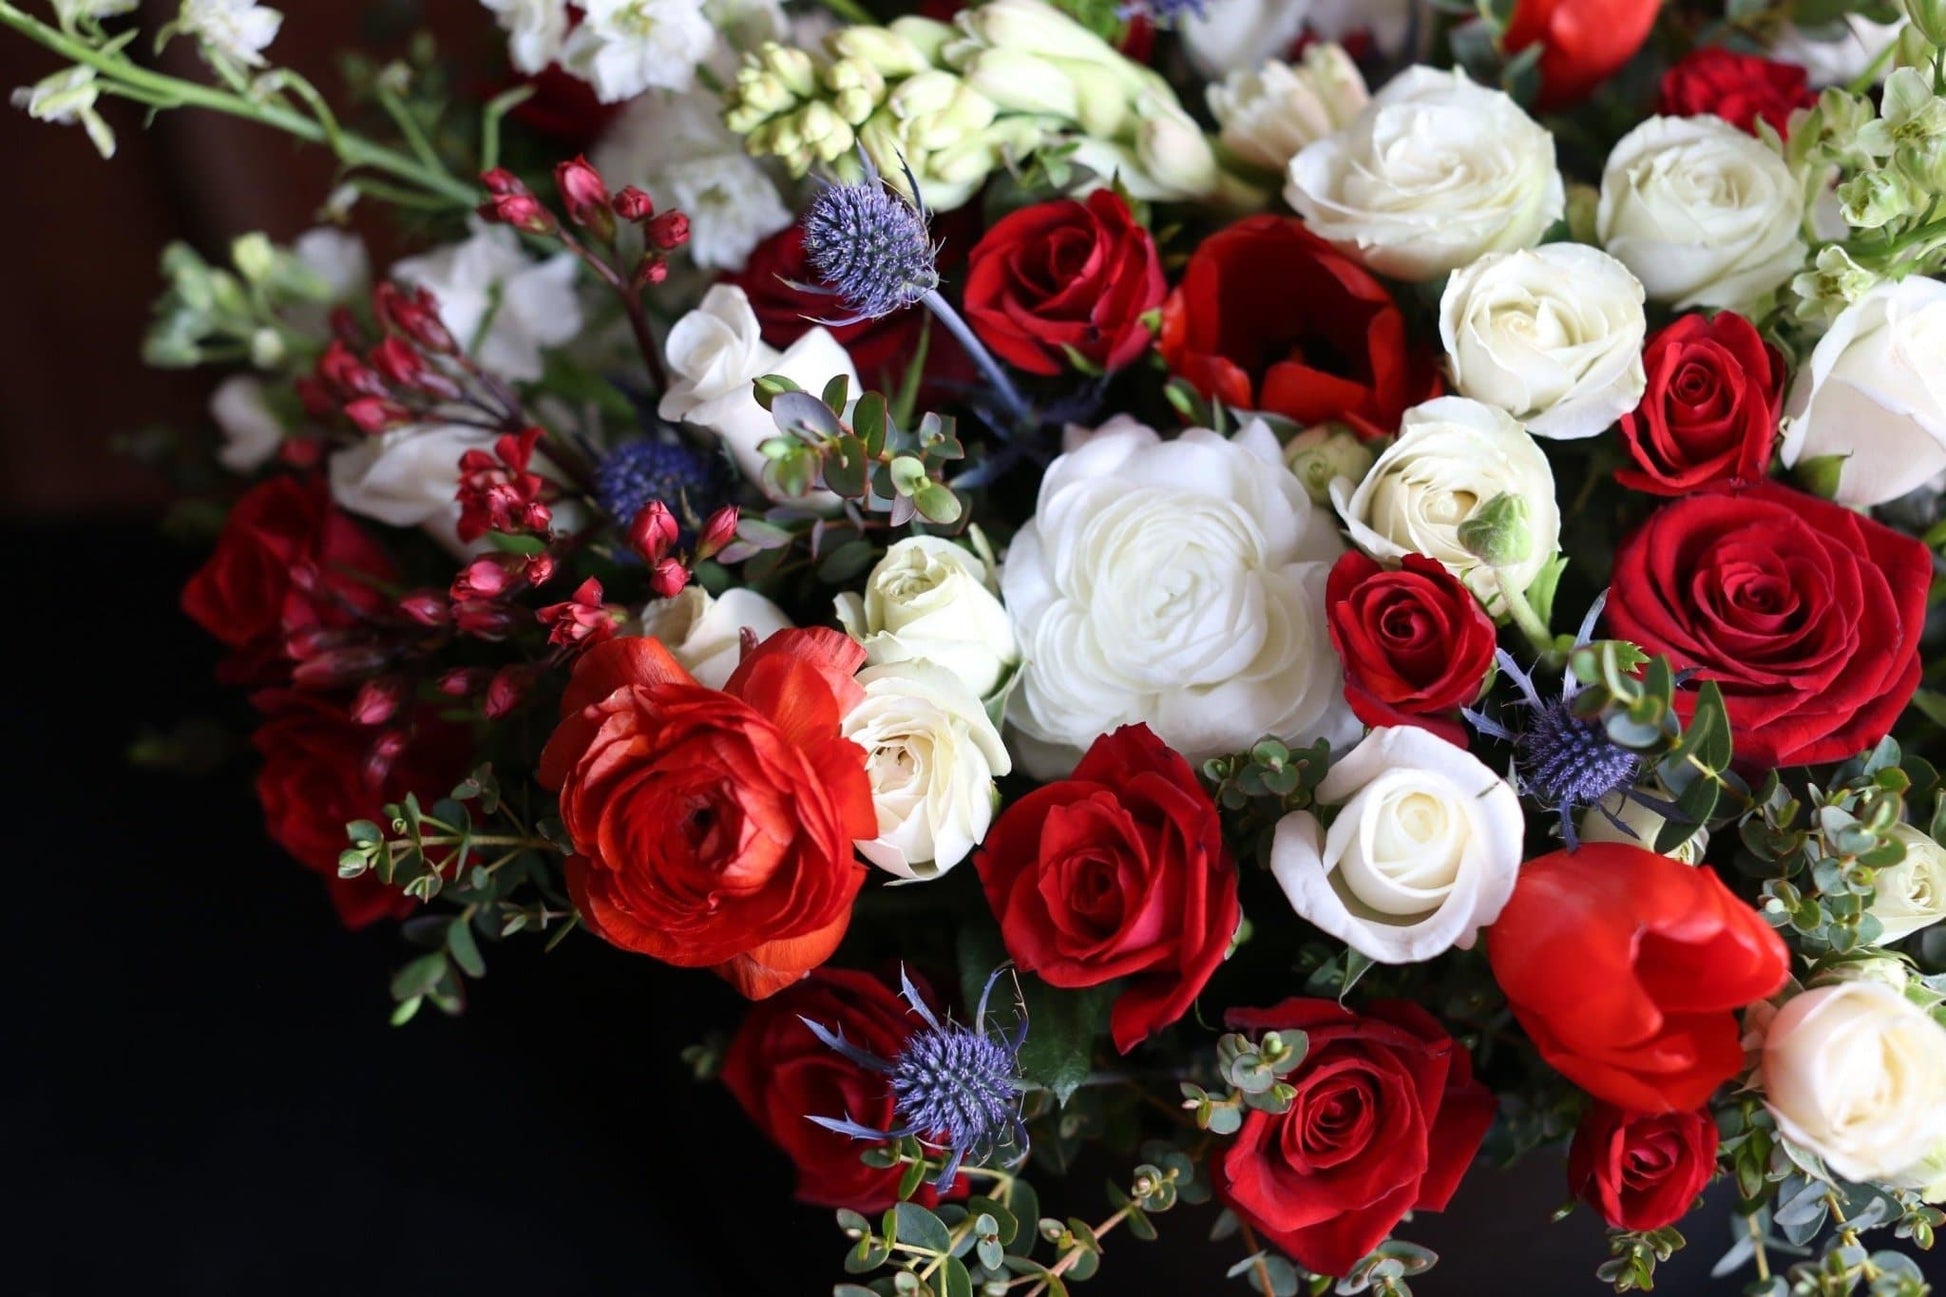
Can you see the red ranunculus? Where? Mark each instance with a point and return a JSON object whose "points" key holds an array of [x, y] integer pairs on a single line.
{"points": [[1641, 1171], [1065, 276], [1807, 615], [1627, 969], [1709, 414], [1386, 1119], [1415, 643], [714, 829], [1271, 317], [1739, 88], [1583, 42], [1119, 871]]}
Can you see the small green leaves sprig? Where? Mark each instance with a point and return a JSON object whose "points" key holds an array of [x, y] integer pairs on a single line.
{"points": [[1633, 1255], [1260, 787], [868, 458], [1384, 1273], [1255, 1072]]}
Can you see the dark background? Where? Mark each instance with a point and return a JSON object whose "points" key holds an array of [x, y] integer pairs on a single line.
{"points": [[202, 1093]]}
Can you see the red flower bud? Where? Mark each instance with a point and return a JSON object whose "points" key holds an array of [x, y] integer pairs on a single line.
{"points": [[427, 607], [653, 270], [668, 230], [384, 754], [416, 315], [718, 531], [538, 569], [668, 578], [586, 197], [377, 700], [486, 577], [634, 205], [581, 620], [501, 182], [488, 621], [301, 452], [400, 365], [508, 690], [374, 415], [653, 531], [343, 372], [461, 682], [523, 211], [338, 666]]}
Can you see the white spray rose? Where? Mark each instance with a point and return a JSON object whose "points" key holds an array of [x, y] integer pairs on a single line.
{"points": [[1435, 172], [1874, 391], [252, 432], [1837, 62], [1422, 855], [408, 477], [1704, 214], [932, 754], [1911, 895], [525, 306], [1268, 115], [1640, 825], [1240, 35], [1320, 456], [1552, 335], [1175, 583], [705, 634], [929, 598], [624, 47], [535, 30]]}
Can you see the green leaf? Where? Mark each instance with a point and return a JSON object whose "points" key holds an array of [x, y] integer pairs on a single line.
{"points": [[1061, 1024], [419, 977], [953, 1279], [769, 387], [868, 422], [517, 544], [837, 392], [465, 950], [919, 1227]]}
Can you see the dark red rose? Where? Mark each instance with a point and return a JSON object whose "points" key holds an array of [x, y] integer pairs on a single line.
{"points": [[1416, 644], [1119, 871], [1709, 414], [1641, 1171], [1628, 968], [1739, 88], [1386, 1120], [1271, 317], [1807, 615], [1583, 42], [1065, 276]]}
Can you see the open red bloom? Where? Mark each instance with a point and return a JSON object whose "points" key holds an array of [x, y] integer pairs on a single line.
{"points": [[1739, 88], [1641, 1171], [1415, 643], [1627, 969], [715, 828], [1583, 42], [1709, 413]]}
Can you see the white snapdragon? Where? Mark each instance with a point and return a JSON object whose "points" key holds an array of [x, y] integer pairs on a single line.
{"points": [[705, 633], [536, 31], [1910, 895], [624, 47], [239, 30], [930, 598], [1269, 114], [489, 282]]}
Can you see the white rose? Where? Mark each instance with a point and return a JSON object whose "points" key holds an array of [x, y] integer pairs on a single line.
{"points": [[1269, 114], [1422, 855], [1702, 213], [1837, 62], [1857, 1074], [1452, 456], [1178, 584], [705, 634], [408, 477], [932, 754], [252, 432], [1552, 335], [1911, 895], [1640, 825], [1240, 35], [526, 306], [1435, 172], [929, 598], [1874, 391]]}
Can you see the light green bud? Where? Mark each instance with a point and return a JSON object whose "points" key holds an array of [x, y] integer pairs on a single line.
{"points": [[1836, 283], [267, 350], [853, 74], [886, 50], [1028, 26], [1104, 107], [1923, 163], [254, 257], [924, 35], [825, 133], [1873, 199], [1583, 201], [1498, 533], [922, 95], [1331, 450], [228, 295], [854, 105], [1928, 18], [1021, 83], [791, 66], [1174, 152]]}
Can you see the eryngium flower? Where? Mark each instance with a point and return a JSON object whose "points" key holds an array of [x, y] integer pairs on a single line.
{"points": [[637, 472], [870, 247]]}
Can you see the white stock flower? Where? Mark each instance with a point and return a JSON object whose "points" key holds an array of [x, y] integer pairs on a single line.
{"points": [[932, 754], [1874, 391], [69, 12], [1837, 62], [489, 283], [252, 432], [535, 30], [65, 98], [1910, 895], [408, 477], [1857, 1074], [1453, 455], [1175, 583], [1241, 35], [239, 30], [1640, 825], [1552, 335], [624, 47], [1422, 855], [930, 598], [1435, 172], [1704, 214], [1269, 114], [705, 634]]}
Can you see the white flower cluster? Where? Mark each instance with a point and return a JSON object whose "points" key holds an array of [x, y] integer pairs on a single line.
{"points": [[620, 47]]}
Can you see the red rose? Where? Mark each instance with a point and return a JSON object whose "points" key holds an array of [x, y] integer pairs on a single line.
{"points": [[1271, 317], [1583, 42], [562, 107], [1065, 276], [1627, 969], [1386, 1119], [1416, 644], [1806, 614], [1119, 871], [715, 829], [1641, 1171], [1709, 414], [1739, 88]]}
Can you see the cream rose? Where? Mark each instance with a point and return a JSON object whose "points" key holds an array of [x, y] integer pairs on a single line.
{"points": [[1552, 335], [1421, 855], [1911, 895], [929, 598], [705, 634], [1435, 172], [1874, 392], [1269, 114], [1176, 583], [1639, 828], [1702, 213]]}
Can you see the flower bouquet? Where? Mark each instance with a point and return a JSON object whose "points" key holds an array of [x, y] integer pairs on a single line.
{"points": [[1308, 592]]}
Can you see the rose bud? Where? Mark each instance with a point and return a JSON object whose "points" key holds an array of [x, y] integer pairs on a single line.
{"points": [[669, 578], [586, 197], [718, 531], [668, 230], [653, 531], [377, 700], [634, 205]]}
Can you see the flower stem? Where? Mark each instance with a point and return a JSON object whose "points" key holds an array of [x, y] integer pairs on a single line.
{"points": [[1018, 409], [1523, 613]]}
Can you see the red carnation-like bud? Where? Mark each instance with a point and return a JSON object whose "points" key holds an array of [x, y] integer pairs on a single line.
{"points": [[633, 205], [502, 183], [383, 755], [668, 230], [652, 531], [538, 569], [523, 211], [416, 315], [338, 666], [486, 577], [481, 620], [653, 270], [579, 621], [378, 699], [373, 414], [669, 578], [427, 607], [718, 531], [400, 365], [585, 195], [343, 372]]}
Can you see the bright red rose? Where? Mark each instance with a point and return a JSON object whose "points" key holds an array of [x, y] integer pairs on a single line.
{"points": [[1415, 643], [1739, 88], [1627, 969], [714, 829], [1709, 414], [564, 108], [1271, 317], [1119, 871], [1807, 615], [1065, 276], [1641, 1171], [1386, 1120], [1583, 42]]}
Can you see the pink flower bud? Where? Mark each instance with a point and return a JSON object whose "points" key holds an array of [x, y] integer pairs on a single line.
{"points": [[585, 196], [416, 315], [652, 531], [718, 531], [377, 700], [485, 578], [508, 690], [523, 211], [668, 578], [538, 569], [374, 415], [427, 607], [668, 230], [487, 621], [463, 682], [580, 621], [501, 182], [338, 666], [634, 205], [384, 754], [653, 270], [400, 365]]}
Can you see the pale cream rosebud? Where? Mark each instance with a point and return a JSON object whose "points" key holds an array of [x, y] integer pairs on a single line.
{"points": [[1269, 114], [1319, 455], [1910, 895], [1175, 154], [1031, 26]]}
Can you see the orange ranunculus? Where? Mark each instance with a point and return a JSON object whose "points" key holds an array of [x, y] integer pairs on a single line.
{"points": [[714, 828], [1583, 42]]}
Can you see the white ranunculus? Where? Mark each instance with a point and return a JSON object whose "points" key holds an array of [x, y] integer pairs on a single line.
{"points": [[1269, 114], [525, 306], [252, 432], [1435, 172], [1241, 35], [1704, 214], [1552, 335], [1178, 584], [1911, 895], [933, 755], [1453, 455], [929, 598], [408, 477], [1874, 391], [1857, 1074], [239, 30], [1838, 62], [1422, 854], [1640, 827], [705, 634], [535, 31], [624, 47]]}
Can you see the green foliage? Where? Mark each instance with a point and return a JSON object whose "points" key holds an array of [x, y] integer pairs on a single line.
{"points": [[1258, 788], [1254, 1070], [1063, 1025], [1633, 1256], [888, 470]]}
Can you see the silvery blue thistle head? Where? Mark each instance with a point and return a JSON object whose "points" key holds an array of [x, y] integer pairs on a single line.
{"points": [[636, 472], [954, 1088], [1164, 13], [870, 247]]}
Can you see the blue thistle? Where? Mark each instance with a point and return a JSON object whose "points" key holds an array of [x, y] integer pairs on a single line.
{"points": [[957, 1089], [870, 247], [1164, 13], [636, 472]]}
